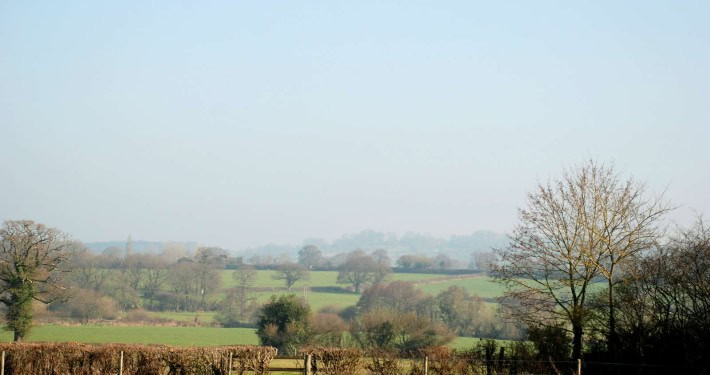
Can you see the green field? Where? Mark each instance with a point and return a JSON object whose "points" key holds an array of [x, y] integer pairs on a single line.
{"points": [[265, 279], [206, 336], [484, 286], [267, 287], [176, 336]]}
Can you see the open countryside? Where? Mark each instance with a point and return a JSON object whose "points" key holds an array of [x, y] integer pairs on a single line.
{"points": [[197, 328], [360, 187]]}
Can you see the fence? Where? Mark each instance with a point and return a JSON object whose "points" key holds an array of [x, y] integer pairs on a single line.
{"points": [[306, 365]]}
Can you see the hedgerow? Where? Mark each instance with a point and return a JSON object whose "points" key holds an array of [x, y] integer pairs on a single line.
{"points": [[82, 359]]}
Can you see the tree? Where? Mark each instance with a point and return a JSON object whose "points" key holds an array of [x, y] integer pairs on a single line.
{"points": [[663, 304], [182, 282], [291, 273], [88, 304], [415, 262], [390, 317], [309, 256], [284, 323], [459, 310], [156, 273], [358, 270], [212, 256], [384, 265], [398, 296], [239, 305], [32, 259], [564, 239], [245, 276], [625, 221], [91, 271]]}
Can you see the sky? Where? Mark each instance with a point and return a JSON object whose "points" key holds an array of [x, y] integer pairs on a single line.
{"points": [[237, 124]]}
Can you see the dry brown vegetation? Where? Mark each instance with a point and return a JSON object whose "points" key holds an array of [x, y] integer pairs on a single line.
{"points": [[81, 359]]}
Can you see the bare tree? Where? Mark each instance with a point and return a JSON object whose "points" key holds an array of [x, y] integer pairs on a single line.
{"points": [[291, 273], [626, 221], [155, 274], [245, 276], [91, 271], [561, 244], [32, 258], [360, 269], [309, 256]]}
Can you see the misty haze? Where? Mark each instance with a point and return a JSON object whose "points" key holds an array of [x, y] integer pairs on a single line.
{"points": [[352, 188]]}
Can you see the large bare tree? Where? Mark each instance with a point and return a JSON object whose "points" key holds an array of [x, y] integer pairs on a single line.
{"points": [[32, 257], [573, 230], [291, 273]]}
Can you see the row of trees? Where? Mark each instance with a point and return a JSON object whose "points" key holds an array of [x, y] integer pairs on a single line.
{"points": [[590, 258], [390, 317], [311, 257], [84, 285]]}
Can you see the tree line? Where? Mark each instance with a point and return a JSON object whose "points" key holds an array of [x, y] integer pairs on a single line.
{"points": [[591, 271]]}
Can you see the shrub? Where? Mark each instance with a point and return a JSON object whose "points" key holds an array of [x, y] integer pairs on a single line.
{"points": [[384, 362], [336, 361], [81, 359]]}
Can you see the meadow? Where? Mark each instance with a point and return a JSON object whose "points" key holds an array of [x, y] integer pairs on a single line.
{"points": [[175, 336], [320, 290]]}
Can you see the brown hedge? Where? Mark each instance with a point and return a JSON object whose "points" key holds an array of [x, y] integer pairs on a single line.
{"points": [[336, 361], [82, 359]]}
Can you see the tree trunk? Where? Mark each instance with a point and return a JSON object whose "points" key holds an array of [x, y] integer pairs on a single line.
{"points": [[577, 332], [611, 344], [17, 337]]}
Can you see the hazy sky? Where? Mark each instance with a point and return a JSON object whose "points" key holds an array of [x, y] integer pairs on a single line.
{"points": [[242, 123]]}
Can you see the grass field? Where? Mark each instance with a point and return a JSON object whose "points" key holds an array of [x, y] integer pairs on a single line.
{"points": [[481, 285], [265, 279], [176, 336], [484, 286]]}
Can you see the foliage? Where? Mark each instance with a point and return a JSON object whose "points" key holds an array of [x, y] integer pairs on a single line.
{"points": [[284, 323], [336, 361], [459, 310], [239, 306], [663, 306], [360, 269], [32, 258], [88, 304], [395, 296], [73, 358], [384, 362], [310, 256], [328, 329], [415, 262]]}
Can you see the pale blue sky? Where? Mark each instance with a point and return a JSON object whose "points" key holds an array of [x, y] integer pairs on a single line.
{"points": [[238, 124]]}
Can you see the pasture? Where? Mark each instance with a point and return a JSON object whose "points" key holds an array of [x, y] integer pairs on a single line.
{"points": [[176, 336], [322, 290]]}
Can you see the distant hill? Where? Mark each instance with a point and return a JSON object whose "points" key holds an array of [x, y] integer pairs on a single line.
{"points": [[458, 247], [140, 247]]}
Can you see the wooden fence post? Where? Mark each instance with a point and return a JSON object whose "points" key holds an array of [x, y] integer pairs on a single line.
{"points": [[426, 365], [120, 368], [2, 367], [579, 366], [229, 369], [307, 365]]}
